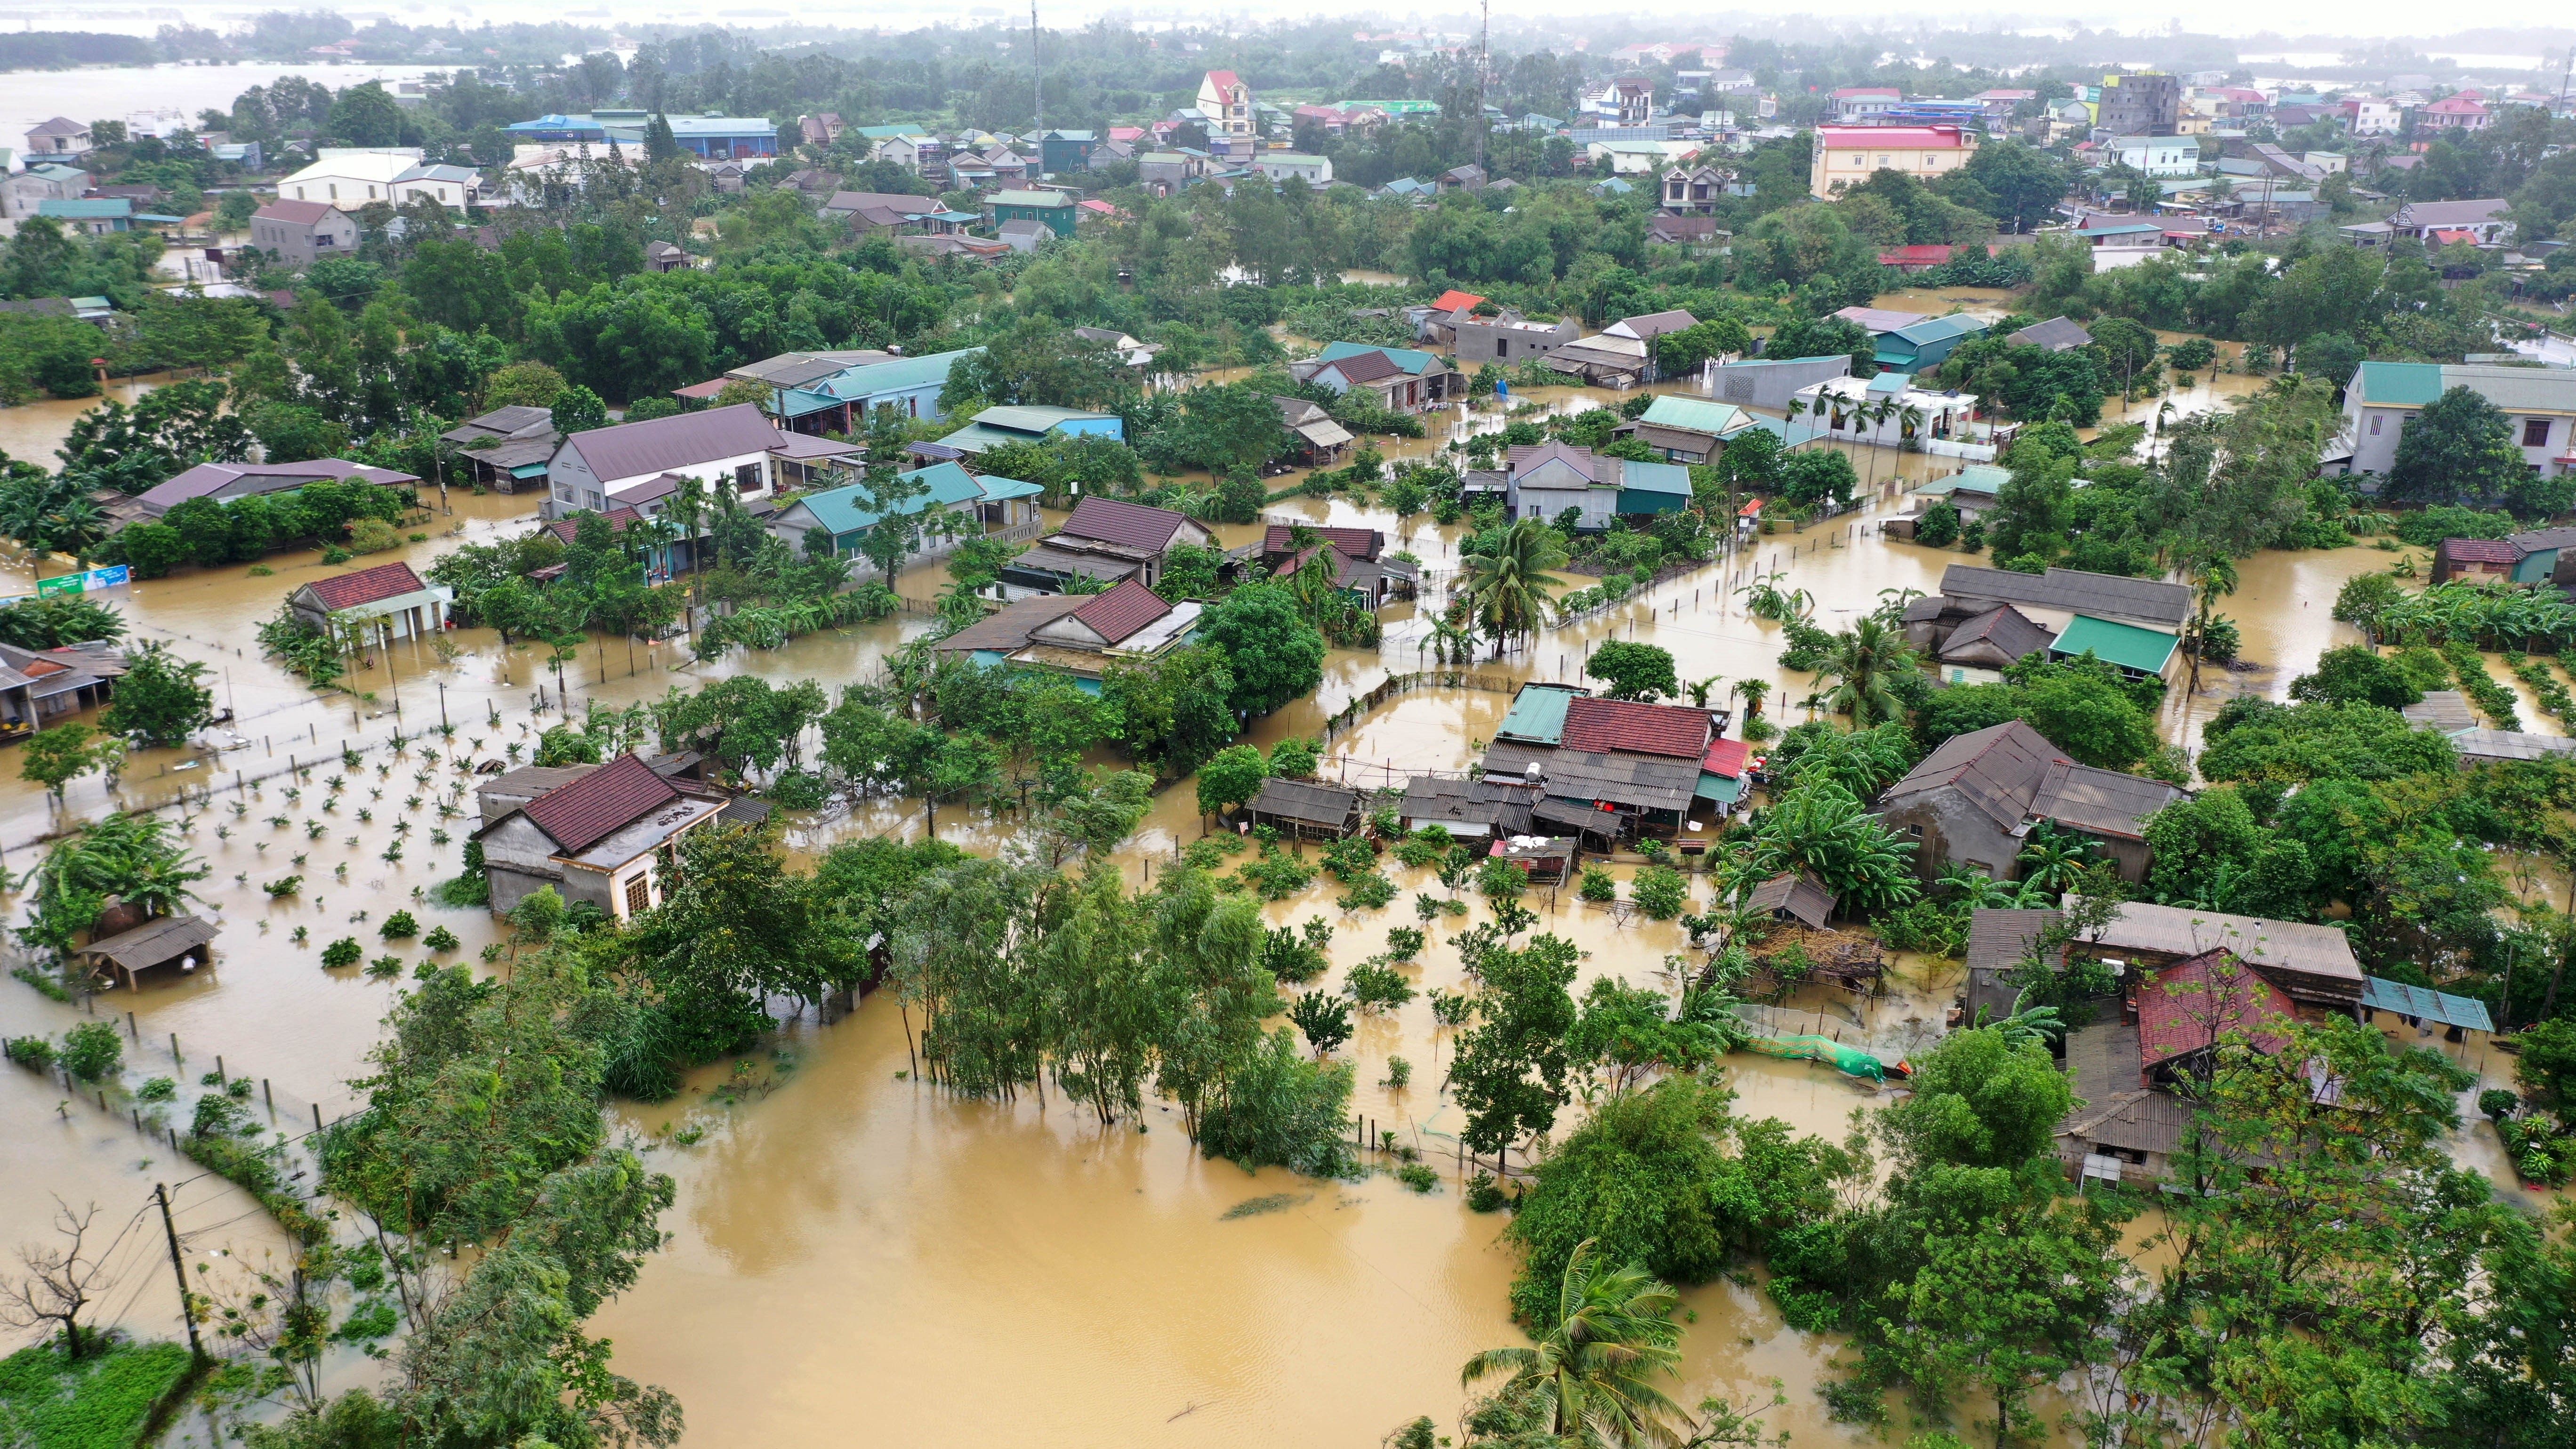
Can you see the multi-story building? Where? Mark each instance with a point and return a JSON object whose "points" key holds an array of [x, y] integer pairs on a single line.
{"points": [[2539, 404], [1225, 103], [2147, 104], [1847, 155]]}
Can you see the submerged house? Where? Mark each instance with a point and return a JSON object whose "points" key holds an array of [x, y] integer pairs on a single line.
{"points": [[1544, 480], [1687, 429], [1398, 379], [389, 599], [608, 837], [37, 685], [969, 505], [1608, 769], [506, 447], [1106, 539], [1315, 439], [1365, 574], [1080, 635], [1974, 800]]}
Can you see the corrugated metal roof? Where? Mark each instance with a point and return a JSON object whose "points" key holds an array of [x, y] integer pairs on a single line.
{"points": [[901, 375], [599, 804], [2398, 384], [1349, 542], [2422, 1002], [632, 450], [2201, 1000], [1696, 415], [1406, 358], [2127, 645], [846, 510], [2074, 590], [2516, 389], [1132, 524], [1538, 713]]}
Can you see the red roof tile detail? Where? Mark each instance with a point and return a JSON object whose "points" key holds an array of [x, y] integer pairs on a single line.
{"points": [[1594, 724], [366, 586], [1131, 524], [1726, 757], [599, 804], [1350, 542], [1454, 300], [2479, 550], [2200, 1000], [1123, 610]]}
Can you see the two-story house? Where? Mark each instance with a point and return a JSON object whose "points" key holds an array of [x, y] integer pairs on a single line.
{"points": [[1225, 105], [2539, 404], [301, 233], [728, 448]]}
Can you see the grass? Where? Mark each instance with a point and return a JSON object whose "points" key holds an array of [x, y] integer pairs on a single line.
{"points": [[105, 1401]]}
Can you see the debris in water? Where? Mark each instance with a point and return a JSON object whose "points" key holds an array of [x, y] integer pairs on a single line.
{"points": [[1271, 1203]]}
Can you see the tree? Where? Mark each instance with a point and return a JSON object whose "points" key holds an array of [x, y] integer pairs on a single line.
{"points": [[1510, 1071], [1274, 654], [1821, 337], [2088, 717], [1979, 1100], [59, 1283], [2356, 674], [1324, 1018], [55, 757], [1818, 475], [1232, 777], [159, 702], [1633, 671], [1824, 830], [1507, 580], [2023, 182], [2459, 450], [1866, 658], [900, 521], [579, 410], [1607, 1336], [523, 384]]}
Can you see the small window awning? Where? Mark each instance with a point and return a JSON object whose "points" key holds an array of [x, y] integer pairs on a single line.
{"points": [[2425, 1004], [529, 470]]}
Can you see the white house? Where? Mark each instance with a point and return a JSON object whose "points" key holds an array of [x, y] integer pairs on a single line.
{"points": [[1280, 165], [350, 177], [2156, 155], [1847, 408], [2539, 404], [637, 464]]}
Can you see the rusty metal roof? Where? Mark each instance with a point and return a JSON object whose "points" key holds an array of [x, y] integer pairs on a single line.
{"points": [[1601, 725], [608, 799]]}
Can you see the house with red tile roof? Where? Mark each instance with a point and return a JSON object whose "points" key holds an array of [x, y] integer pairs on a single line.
{"points": [[388, 601], [605, 837], [2474, 558], [1609, 769], [1107, 539], [1225, 106], [2190, 1009]]}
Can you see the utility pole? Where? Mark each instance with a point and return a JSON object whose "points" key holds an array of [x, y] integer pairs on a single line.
{"points": [[1037, 88], [179, 1268]]}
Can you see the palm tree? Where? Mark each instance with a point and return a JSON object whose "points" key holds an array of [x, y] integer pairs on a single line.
{"points": [[1866, 656], [1876, 414], [1508, 589], [1590, 1370], [1447, 641], [1752, 690]]}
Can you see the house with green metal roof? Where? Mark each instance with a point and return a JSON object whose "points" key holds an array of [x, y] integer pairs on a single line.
{"points": [[93, 216], [1410, 360], [1537, 715], [2539, 404], [2136, 651], [1052, 209], [1926, 343], [1653, 487], [842, 401], [1687, 429], [979, 505], [1031, 424]]}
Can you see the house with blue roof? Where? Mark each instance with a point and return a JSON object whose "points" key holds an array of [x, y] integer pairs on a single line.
{"points": [[709, 137], [2539, 404], [1927, 343], [971, 506], [1398, 379], [1031, 424], [841, 401], [92, 217]]}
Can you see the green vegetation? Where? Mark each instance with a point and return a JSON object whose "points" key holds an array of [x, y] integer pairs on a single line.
{"points": [[101, 1400]]}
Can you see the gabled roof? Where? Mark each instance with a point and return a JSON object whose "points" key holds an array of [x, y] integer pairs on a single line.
{"points": [[1368, 366], [2201, 1000], [1998, 769], [1652, 325], [599, 804], [1725, 757], [1538, 713], [1694, 415], [1530, 457], [631, 450], [1132, 524], [2002, 627], [2057, 334], [58, 126], [1405, 358], [1454, 300], [569, 528], [298, 213], [1348, 542], [846, 509], [366, 586], [1879, 319], [2075, 590], [1123, 610], [1797, 893], [1599, 725], [1941, 329], [2126, 645]]}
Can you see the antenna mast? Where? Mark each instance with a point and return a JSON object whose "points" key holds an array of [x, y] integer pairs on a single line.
{"points": [[1484, 42]]}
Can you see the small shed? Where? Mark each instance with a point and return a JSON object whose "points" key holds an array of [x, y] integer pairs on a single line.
{"points": [[1304, 809], [1545, 859], [1793, 896], [156, 942]]}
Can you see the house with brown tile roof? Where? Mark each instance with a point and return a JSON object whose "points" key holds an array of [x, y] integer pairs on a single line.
{"points": [[388, 601], [1107, 539], [1974, 800], [605, 837]]}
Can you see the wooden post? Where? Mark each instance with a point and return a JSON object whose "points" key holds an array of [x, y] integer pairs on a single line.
{"points": [[178, 1267], [317, 1119], [174, 1049]]}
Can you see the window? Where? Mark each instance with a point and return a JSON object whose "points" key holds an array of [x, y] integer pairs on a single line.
{"points": [[639, 895], [746, 479], [2535, 433], [1503, 348], [2375, 420]]}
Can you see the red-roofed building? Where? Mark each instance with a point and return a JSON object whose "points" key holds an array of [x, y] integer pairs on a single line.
{"points": [[1921, 258], [2474, 558], [388, 601], [1454, 300], [2189, 1009], [606, 838], [2463, 112], [1625, 725], [1226, 104]]}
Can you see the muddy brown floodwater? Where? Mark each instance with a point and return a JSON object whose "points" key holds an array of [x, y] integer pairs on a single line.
{"points": [[845, 1236]]}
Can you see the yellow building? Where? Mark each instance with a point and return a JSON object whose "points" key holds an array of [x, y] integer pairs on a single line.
{"points": [[1847, 155]]}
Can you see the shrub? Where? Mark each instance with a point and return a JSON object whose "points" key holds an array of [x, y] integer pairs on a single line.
{"points": [[93, 1052], [343, 952], [1374, 987], [156, 1089], [1500, 880], [2499, 1102], [281, 888], [1399, 1073], [440, 939], [1418, 1176], [30, 1051], [799, 790], [1403, 943], [1371, 892], [1484, 1195], [372, 535], [1280, 1109], [399, 927], [1291, 960], [1598, 885], [1659, 891], [1294, 759]]}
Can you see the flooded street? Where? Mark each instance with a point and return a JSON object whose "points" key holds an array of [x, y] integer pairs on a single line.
{"points": [[846, 1236]]}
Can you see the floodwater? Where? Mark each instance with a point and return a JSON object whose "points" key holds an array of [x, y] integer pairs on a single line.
{"points": [[169, 92], [31, 431], [844, 1234]]}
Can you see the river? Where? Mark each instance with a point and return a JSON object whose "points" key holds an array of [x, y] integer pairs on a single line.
{"points": [[169, 92], [844, 1236]]}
